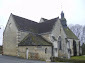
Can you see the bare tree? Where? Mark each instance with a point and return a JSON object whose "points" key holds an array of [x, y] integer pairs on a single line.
{"points": [[77, 30], [83, 34]]}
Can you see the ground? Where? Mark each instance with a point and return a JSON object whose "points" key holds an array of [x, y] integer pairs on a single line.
{"points": [[78, 57], [10, 59]]}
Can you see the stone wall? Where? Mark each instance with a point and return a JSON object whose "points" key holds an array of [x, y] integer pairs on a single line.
{"points": [[46, 36], [71, 46], [10, 38], [37, 51], [22, 35], [77, 45], [56, 32]]}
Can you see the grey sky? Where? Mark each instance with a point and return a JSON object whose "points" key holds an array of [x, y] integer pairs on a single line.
{"points": [[35, 9]]}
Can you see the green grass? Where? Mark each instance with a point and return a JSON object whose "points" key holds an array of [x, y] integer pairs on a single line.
{"points": [[74, 59], [78, 57]]}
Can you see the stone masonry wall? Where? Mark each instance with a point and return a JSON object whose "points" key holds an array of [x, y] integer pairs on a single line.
{"points": [[39, 50], [10, 38], [58, 31], [77, 45], [71, 46]]}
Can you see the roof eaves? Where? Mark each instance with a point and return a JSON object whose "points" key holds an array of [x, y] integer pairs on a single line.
{"points": [[34, 45], [33, 39]]}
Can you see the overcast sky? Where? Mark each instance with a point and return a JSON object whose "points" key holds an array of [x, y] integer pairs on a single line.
{"points": [[74, 10]]}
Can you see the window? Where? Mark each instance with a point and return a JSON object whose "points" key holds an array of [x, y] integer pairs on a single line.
{"points": [[59, 43], [54, 38], [9, 24], [69, 44], [60, 29], [45, 50]]}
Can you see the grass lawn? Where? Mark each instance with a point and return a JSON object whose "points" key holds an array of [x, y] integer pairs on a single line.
{"points": [[78, 57]]}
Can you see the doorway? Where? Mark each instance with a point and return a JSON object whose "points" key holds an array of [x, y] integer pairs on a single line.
{"points": [[27, 53], [74, 48]]}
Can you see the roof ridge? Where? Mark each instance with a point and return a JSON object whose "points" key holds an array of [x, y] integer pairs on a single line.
{"points": [[23, 18], [49, 20], [54, 18], [35, 27], [44, 18]]}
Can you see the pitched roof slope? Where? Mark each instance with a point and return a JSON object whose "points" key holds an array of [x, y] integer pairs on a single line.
{"points": [[29, 25], [46, 26], [34, 40], [44, 19], [25, 24], [70, 34]]}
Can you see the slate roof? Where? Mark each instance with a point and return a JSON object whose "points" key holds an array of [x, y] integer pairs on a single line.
{"points": [[44, 19], [46, 26], [34, 40], [38, 28], [70, 34], [29, 25], [25, 24]]}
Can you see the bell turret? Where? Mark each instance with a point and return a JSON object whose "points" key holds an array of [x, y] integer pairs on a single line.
{"points": [[63, 20], [62, 15]]}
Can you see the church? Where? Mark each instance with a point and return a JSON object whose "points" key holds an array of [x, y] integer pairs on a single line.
{"points": [[31, 40]]}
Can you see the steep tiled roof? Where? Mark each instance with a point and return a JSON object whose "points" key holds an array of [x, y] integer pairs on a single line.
{"points": [[34, 40], [29, 25]]}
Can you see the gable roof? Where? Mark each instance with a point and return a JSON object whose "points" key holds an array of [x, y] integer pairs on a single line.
{"points": [[70, 34], [34, 40], [46, 26], [44, 19], [25, 24], [29, 25]]}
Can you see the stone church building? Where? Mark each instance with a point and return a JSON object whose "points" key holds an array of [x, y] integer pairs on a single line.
{"points": [[31, 40]]}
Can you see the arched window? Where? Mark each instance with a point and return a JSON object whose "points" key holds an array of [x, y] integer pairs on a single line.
{"points": [[53, 38], [59, 43], [45, 50], [69, 44]]}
